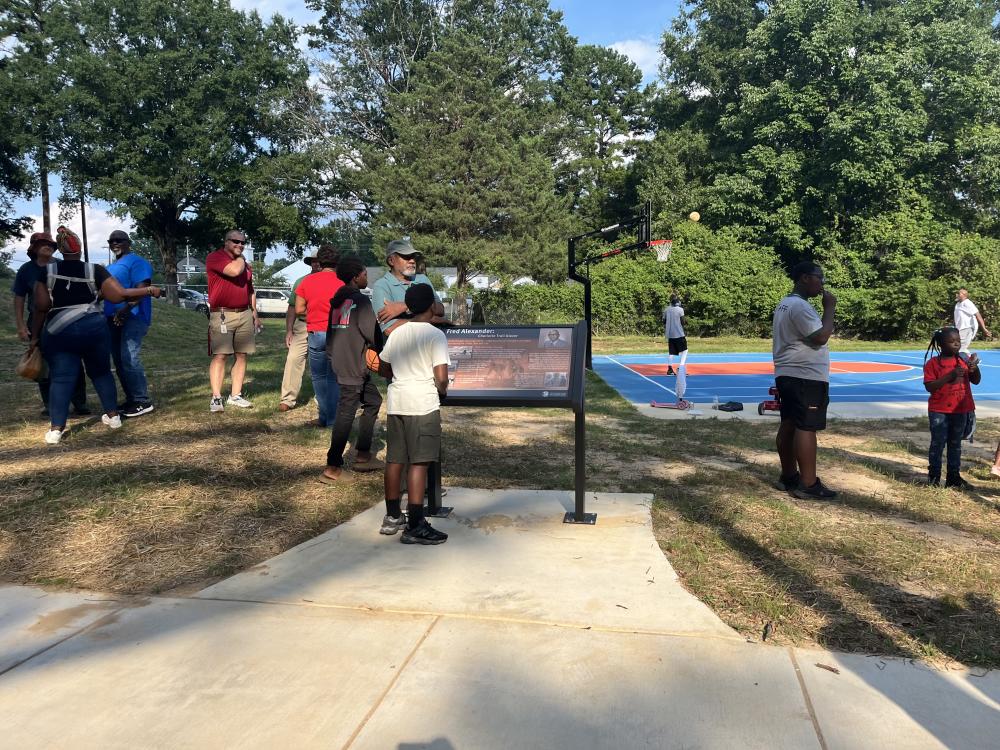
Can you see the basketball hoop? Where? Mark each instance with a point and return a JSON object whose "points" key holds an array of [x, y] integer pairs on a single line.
{"points": [[663, 249]]}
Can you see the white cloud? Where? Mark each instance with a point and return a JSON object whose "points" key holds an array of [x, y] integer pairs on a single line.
{"points": [[99, 225], [643, 53]]}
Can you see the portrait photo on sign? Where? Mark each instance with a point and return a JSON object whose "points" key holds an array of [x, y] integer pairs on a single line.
{"points": [[554, 338]]}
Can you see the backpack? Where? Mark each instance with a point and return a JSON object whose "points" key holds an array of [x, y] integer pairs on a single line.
{"points": [[60, 317]]}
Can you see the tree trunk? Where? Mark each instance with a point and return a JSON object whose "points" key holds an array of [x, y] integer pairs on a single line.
{"points": [[463, 315], [162, 227], [43, 174]]}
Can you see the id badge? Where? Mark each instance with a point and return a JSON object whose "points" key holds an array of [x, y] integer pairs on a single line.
{"points": [[222, 324]]}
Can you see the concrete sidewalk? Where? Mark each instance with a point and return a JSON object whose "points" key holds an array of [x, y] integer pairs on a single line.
{"points": [[520, 632]]}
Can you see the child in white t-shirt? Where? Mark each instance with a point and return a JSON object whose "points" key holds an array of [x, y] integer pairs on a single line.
{"points": [[416, 358]]}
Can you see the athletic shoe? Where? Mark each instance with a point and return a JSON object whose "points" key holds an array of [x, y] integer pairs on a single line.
{"points": [[933, 480], [239, 401], [391, 525], [82, 411], [956, 482], [670, 371], [787, 484], [216, 404], [423, 534], [817, 491], [138, 410], [285, 407], [113, 422], [52, 437]]}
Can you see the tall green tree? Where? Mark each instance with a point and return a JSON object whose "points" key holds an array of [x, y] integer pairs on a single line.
{"points": [[374, 45], [466, 176], [36, 34], [185, 117], [602, 107]]}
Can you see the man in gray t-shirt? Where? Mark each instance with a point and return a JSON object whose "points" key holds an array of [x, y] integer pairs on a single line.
{"points": [[802, 375], [673, 331]]}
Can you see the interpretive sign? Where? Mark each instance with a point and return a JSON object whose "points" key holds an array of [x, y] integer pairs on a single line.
{"points": [[514, 366], [520, 366]]}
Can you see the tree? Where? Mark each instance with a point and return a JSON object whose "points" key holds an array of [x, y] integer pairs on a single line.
{"points": [[15, 181], [466, 177], [182, 117], [602, 108], [373, 46], [33, 92]]}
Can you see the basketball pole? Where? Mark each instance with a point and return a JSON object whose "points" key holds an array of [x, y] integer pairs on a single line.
{"points": [[642, 224]]}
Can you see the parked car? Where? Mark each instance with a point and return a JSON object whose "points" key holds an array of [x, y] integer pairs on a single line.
{"points": [[193, 300], [272, 302]]}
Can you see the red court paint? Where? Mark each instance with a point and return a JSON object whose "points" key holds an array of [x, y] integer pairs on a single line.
{"points": [[765, 368]]}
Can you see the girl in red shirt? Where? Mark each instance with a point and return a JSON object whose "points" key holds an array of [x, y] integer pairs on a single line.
{"points": [[949, 378]]}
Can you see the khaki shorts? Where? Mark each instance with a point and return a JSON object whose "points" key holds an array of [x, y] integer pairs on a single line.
{"points": [[239, 335], [413, 439]]}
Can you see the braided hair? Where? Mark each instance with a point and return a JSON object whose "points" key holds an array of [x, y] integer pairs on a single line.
{"points": [[937, 339]]}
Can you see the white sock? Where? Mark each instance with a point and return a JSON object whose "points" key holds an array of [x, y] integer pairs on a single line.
{"points": [[684, 357]]}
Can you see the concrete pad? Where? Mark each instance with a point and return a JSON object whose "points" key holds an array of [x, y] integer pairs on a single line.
{"points": [[33, 619], [188, 673], [837, 410], [897, 703], [483, 685], [509, 555]]}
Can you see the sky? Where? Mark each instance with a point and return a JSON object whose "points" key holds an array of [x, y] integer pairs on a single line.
{"points": [[632, 27]]}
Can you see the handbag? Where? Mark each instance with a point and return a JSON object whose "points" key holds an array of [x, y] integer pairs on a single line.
{"points": [[30, 364]]}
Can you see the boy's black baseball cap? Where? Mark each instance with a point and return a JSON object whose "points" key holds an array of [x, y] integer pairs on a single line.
{"points": [[419, 298]]}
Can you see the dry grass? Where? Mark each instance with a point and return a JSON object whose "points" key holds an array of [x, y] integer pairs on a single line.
{"points": [[181, 498]]}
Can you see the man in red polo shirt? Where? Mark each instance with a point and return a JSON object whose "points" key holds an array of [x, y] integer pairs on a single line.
{"points": [[233, 318]]}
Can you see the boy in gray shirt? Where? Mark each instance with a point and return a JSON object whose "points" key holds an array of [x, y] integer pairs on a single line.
{"points": [[802, 376]]}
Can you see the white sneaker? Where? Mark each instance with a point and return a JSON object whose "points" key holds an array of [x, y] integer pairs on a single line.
{"points": [[113, 422], [239, 401], [52, 437], [216, 404]]}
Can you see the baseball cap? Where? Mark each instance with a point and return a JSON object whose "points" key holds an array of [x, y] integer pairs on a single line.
{"points": [[119, 236], [41, 238], [309, 259], [400, 247]]}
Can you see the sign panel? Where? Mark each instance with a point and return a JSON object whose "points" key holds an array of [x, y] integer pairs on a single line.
{"points": [[512, 365]]}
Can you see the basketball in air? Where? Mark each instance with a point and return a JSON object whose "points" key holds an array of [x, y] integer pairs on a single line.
{"points": [[372, 360], [694, 216]]}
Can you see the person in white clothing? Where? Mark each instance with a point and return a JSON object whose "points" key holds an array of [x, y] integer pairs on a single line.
{"points": [[673, 330], [415, 357], [968, 320]]}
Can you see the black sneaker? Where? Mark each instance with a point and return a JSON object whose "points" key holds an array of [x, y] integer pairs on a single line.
{"points": [[670, 371], [956, 482], [391, 525], [933, 480], [787, 484], [138, 410], [817, 491], [82, 411], [423, 534]]}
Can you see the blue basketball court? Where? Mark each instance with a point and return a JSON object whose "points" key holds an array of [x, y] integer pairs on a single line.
{"points": [[856, 377]]}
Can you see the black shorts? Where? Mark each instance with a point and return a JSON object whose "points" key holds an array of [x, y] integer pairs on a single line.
{"points": [[804, 402], [676, 346]]}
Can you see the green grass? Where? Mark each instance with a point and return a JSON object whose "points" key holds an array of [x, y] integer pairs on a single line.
{"points": [[178, 499]]}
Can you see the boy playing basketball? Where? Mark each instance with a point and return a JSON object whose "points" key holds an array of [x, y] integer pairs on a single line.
{"points": [[416, 358]]}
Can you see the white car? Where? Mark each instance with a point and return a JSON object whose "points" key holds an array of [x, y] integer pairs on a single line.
{"points": [[272, 302]]}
